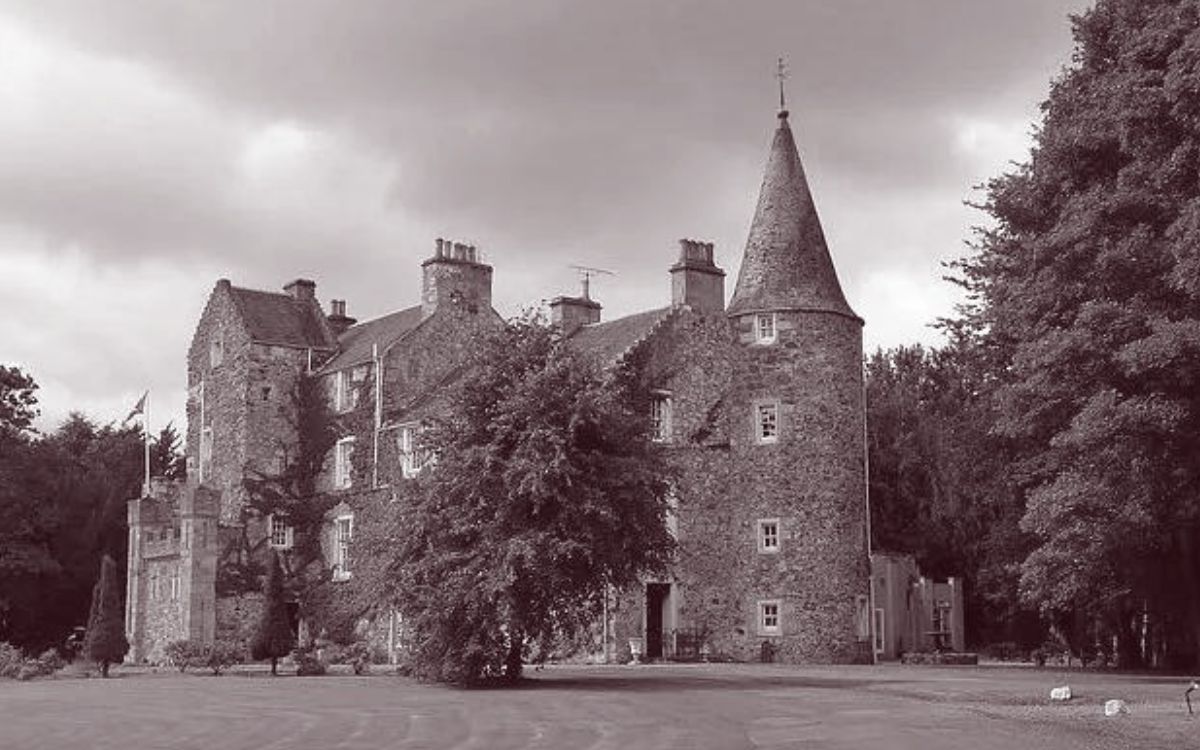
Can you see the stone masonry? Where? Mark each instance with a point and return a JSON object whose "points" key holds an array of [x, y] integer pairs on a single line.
{"points": [[759, 405]]}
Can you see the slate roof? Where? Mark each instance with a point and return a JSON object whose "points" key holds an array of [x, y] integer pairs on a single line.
{"points": [[275, 318], [356, 342], [609, 341], [786, 265]]}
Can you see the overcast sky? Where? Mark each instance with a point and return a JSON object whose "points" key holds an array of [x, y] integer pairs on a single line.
{"points": [[149, 148]]}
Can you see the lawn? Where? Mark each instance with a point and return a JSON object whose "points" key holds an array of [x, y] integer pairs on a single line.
{"points": [[722, 707]]}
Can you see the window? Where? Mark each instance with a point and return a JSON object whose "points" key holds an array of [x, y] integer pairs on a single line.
{"points": [[766, 422], [216, 350], [206, 452], [279, 532], [768, 535], [342, 464], [879, 639], [764, 328], [672, 513], [175, 585], [660, 418], [343, 532], [154, 586], [769, 617], [412, 460], [345, 394]]}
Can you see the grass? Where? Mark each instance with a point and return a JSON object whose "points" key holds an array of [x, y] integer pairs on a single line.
{"points": [[658, 706]]}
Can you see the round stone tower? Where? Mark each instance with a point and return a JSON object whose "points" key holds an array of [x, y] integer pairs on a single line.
{"points": [[797, 438]]}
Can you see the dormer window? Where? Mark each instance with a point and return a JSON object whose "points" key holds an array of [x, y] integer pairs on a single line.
{"points": [[765, 331], [660, 418]]}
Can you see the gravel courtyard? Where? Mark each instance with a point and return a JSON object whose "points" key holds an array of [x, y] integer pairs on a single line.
{"points": [[722, 707]]}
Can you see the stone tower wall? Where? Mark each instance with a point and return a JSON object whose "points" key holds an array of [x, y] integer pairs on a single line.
{"points": [[813, 479]]}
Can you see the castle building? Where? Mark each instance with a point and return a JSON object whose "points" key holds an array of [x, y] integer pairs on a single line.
{"points": [[758, 405]]}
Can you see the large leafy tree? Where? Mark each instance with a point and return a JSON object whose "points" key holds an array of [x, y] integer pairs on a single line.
{"points": [[938, 484], [1087, 302], [546, 489]]}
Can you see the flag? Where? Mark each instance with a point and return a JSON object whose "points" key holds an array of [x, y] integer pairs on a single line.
{"points": [[140, 408]]}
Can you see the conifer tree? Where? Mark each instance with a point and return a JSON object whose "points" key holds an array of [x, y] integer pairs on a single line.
{"points": [[105, 642], [274, 637]]}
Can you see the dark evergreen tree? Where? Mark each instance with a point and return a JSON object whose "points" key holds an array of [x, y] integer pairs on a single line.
{"points": [[274, 638], [105, 641]]}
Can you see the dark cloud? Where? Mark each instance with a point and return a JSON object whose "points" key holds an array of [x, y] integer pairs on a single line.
{"points": [[270, 139]]}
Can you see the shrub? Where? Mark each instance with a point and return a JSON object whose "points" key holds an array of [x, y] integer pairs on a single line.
{"points": [[184, 653], [50, 661], [221, 655], [11, 660], [309, 662]]}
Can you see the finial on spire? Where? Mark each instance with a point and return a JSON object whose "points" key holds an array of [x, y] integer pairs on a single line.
{"points": [[781, 73]]}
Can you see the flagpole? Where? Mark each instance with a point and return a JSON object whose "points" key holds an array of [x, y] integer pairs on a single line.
{"points": [[146, 446]]}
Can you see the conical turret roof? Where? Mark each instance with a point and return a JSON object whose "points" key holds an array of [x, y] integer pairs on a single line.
{"points": [[786, 265]]}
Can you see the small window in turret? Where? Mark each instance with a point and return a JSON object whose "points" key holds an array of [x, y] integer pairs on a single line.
{"points": [[764, 328], [660, 418], [216, 350], [766, 422]]}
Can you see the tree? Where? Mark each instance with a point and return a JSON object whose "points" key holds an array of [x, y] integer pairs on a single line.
{"points": [[105, 641], [545, 489], [273, 638], [18, 403], [1086, 299], [166, 457]]}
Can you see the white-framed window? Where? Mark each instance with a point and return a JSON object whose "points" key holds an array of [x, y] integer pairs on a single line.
{"points": [[175, 585], [660, 418], [343, 533], [672, 512], [358, 374], [768, 535], [343, 454], [279, 531], [766, 421], [765, 330], [206, 452], [345, 394], [412, 458], [770, 617], [216, 349], [879, 622]]}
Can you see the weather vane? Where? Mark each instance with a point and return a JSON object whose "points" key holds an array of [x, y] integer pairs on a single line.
{"points": [[781, 73]]}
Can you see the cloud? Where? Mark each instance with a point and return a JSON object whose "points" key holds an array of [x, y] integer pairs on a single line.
{"points": [[168, 145]]}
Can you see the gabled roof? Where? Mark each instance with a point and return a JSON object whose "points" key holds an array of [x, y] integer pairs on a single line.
{"points": [[611, 340], [356, 342], [786, 265], [275, 318]]}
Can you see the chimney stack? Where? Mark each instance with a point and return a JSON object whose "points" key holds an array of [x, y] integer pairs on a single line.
{"points": [[569, 313], [337, 317], [302, 289], [455, 278], [696, 281]]}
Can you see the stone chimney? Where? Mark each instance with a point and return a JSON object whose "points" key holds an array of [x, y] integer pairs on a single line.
{"points": [[695, 279], [337, 318], [302, 289], [455, 278], [569, 313]]}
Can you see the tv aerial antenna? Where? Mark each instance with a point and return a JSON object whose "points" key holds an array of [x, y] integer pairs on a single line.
{"points": [[585, 277]]}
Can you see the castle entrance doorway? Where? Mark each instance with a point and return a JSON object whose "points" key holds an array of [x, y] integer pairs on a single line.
{"points": [[657, 599]]}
